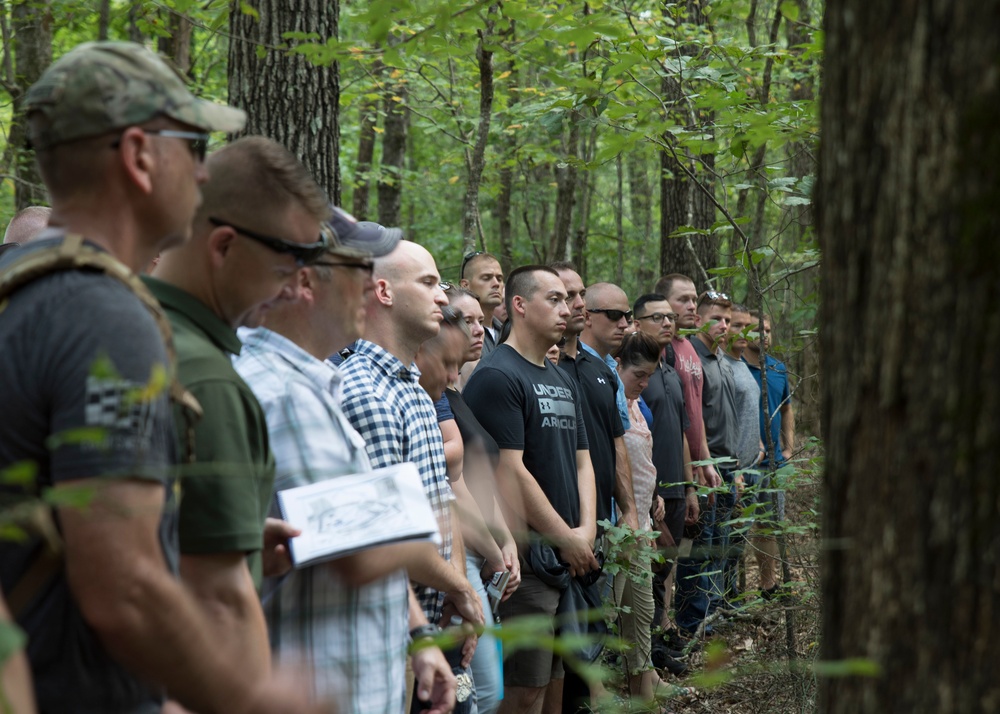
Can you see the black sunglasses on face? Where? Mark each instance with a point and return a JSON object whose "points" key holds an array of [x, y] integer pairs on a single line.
{"points": [[197, 142], [613, 315], [368, 268], [659, 316], [303, 253]]}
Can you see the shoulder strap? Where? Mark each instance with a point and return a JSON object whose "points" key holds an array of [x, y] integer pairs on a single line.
{"points": [[73, 254]]}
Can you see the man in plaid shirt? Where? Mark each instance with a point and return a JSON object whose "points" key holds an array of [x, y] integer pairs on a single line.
{"points": [[349, 616], [386, 404]]}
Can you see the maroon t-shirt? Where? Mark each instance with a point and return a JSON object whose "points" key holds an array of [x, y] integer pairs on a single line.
{"points": [[688, 366]]}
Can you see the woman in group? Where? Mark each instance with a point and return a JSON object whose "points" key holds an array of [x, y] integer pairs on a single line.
{"points": [[637, 359], [489, 545]]}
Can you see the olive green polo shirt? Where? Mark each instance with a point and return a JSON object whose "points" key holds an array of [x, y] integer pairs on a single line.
{"points": [[225, 494]]}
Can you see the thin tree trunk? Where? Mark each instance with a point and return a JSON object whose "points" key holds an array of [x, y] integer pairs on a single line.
{"points": [[103, 20], [31, 29], [367, 120], [910, 333], [289, 99], [619, 222], [177, 45], [508, 144], [390, 185], [640, 194], [470, 212], [566, 186]]}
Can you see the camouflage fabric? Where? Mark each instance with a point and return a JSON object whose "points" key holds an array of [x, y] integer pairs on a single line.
{"points": [[101, 86]]}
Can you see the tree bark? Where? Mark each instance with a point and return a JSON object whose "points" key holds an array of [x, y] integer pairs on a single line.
{"points": [[910, 333], [682, 198], [640, 194], [566, 183], [390, 185], [368, 118], [177, 45], [289, 99], [477, 160], [31, 29]]}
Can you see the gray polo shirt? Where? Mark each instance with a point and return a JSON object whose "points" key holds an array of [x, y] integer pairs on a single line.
{"points": [[748, 411], [718, 406]]}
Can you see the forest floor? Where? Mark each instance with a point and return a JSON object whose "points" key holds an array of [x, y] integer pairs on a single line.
{"points": [[760, 661]]}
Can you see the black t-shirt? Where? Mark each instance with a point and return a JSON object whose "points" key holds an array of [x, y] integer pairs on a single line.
{"points": [[473, 433], [536, 410], [80, 353], [598, 390], [665, 399]]}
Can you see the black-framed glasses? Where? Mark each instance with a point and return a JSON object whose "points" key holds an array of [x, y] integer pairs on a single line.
{"points": [[466, 259], [197, 141], [368, 268], [303, 253], [613, 315], [659, 317], [712, 295]]}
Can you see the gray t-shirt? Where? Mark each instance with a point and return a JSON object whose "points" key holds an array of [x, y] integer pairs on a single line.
{"points": [[747, 409], [79, 350], [718, 406]]}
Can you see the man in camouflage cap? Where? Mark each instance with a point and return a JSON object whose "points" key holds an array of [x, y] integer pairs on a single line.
{"points": [[119, 142]]}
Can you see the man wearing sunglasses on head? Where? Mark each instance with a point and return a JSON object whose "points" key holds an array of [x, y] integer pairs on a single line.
{"points": [[259, 222]]}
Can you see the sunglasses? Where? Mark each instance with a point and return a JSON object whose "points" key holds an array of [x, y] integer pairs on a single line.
{"points": [[197, 142], [303, 253], [466, 259], [659, 316], [712, 295], [368, 268], [613, 315]]}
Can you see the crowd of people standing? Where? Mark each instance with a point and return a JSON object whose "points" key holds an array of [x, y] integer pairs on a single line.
{"points": [[188, 334]]}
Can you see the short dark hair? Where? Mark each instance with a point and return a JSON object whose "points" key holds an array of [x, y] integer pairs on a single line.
{"points": [[666, 283], [643, 300], [637, 348], [559, 265], [741, 308], [712, 297], [472, 258], [521, 282]]}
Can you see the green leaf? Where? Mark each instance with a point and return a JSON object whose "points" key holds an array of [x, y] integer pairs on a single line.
{"points": [[12, 640], [790, 10], [248, 9], [856, 667]]}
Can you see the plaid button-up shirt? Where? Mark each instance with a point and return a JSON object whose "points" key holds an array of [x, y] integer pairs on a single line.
{"points": [[355, 637], [386, 404]]}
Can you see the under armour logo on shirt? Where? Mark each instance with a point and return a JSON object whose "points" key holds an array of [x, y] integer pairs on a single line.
{"points": [[601, 380]]}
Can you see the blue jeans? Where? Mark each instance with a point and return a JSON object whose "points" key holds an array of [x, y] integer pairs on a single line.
{"points": [[693, 584], [486, 662], [725, 503]]}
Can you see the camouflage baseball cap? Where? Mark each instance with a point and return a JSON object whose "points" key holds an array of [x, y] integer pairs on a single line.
{"points": [[101, 86]]}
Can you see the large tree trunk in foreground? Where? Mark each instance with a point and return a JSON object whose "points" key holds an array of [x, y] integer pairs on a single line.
{"points": [[286, 97], [908, 217]]}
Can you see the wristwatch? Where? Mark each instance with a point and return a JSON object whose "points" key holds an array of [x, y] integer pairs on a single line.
{"points": [[422, 632]]}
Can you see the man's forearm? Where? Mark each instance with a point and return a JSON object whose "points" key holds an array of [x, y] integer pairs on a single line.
{"points": [[222, 586], [787, 428], [588, 493]]}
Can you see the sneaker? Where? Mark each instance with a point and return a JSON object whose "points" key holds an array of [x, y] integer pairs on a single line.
{"points": [[664, 659]]}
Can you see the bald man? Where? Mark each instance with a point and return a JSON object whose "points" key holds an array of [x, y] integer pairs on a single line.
{"points": [[608, 316], [384, 401], [27, 224]]}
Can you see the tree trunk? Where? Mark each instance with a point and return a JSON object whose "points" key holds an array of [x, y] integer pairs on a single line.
{"points": [[640, 194], [508, 142], [288, 98], [682, 198], [910, 333], [470, 211], [390, 185], [31, 27], [177, 45], [103, 20], [368, 118], [566, 180]]}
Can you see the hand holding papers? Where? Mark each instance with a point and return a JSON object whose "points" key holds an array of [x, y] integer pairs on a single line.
{"points": [[344, 515]]}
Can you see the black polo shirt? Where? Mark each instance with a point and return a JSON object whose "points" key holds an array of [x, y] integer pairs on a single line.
{"points": [[665, 400], [598, 391]]}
